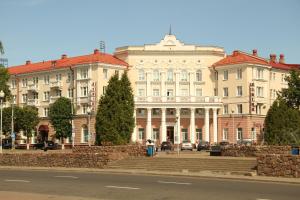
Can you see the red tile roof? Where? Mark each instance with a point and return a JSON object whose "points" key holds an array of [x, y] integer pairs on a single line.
{"points": [[239, 57], [65, 62]]}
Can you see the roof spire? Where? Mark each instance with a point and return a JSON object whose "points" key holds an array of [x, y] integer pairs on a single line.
{"points": [[170, 30]]}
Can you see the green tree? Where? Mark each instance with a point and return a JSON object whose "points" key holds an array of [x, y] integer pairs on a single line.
{"points": [[18, 113], [127, 109], [60, 114], [4, 77], [282, 124], [28, 120], [292, 94]]}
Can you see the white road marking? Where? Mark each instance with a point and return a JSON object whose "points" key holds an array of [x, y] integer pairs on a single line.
{"points": [[120, 187], [177, 183], [263, 199], [73, 177], [21, 181]]}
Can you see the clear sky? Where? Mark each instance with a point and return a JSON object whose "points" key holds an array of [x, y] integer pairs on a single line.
{"points": [[39, 30]]}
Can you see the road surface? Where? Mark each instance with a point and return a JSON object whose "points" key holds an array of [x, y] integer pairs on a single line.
{"points": [[75, 185]]}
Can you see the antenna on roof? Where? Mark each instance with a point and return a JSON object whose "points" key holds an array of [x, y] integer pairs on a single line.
{"points": [[170, 30], [102, 46]]}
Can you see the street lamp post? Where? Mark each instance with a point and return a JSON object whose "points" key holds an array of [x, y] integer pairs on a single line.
{"points": [[177, 134], [89, 112], [1, 104]]}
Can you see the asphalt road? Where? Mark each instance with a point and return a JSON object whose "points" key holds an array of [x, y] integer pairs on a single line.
{"points": [[97, 185]]}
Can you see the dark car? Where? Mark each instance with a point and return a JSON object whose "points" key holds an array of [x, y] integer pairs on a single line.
{"points": [[166, 146], [203, 146], [6, 143], [47, 145]]}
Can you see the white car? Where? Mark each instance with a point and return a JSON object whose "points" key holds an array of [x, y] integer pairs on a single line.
{"points": [[186, 145]]}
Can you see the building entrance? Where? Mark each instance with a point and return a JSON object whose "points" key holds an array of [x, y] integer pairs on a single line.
{"points": [[170, 134]]}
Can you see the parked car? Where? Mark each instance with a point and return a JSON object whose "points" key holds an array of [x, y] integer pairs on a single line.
{"points": [[166, 146], [6, 143], [224, 144], [47, 145], [202, 145], [186, 145], [246, 142], [215, 150]]}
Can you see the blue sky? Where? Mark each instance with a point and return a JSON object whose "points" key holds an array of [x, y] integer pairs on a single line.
{"points": [[39, 30]]}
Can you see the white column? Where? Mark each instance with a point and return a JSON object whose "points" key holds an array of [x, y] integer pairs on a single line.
{"points": [[192, 126], [163, 125], [207, 124], [215, 124], [133, 136], [163, 86], [178, 132], [149, 124]]}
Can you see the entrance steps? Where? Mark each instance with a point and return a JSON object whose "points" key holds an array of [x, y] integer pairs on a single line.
{"points": [[178, 164]]}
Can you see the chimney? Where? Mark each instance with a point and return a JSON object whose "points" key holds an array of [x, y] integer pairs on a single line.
{"points": [[28, 62], [96, 51], [281, 58], [273, 58], [254, 52], [235, 52], [64, 56]]}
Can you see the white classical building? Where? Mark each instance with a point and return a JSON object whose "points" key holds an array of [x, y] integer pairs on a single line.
{"points": [[174, 82]]}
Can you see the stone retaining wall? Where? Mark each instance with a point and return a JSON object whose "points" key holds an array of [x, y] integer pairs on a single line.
{"points": [[75, 160], [279, 165], [254, 151]]}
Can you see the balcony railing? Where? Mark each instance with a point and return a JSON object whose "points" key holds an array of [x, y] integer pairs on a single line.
{"points": [[55, 84], [183, 99], [33, 102], [33, 88], [83, 100]]}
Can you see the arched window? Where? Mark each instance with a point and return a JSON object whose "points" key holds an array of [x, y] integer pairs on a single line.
{"points": [[155, 75], [184, 75], [170, 75], [84, 134], [141, 75], [199, 75]]}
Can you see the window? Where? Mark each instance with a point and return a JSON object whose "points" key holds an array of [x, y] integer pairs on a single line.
{"points": [[70, 93], [274, 76], [105, 73], [184, 133], [169, 92], [184, 75], [225, 92], [225, 75], [69, 77], [155, 75], [24, 82], [84, 108], [141, 133], [46, 112], [46, 79], [104, 89], [117, 72], [259, 91], [58, 77], [216, 91], [216, 76], [83, 73], [199, 75], [13, 84], [239, 74], [141, 92], [225, 109], [199, 92], [240, 108], [58, 93], [85, 134], [253, 133], [46, 96], [259, 73], [156, 92], [35, 95], [199, 134], [155, 134], [142, 112], [156, 111], [14, 98], [225, 134], [239, 91], [35, 80], [170, 75], [84, 91], [239, 133], [184, 92], [24, 98], [141, 75]]}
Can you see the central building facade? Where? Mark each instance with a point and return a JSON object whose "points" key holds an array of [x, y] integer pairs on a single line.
{"points": [[175, 90]]}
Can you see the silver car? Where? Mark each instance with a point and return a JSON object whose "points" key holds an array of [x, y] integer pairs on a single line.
{"points": [[186, 145]]}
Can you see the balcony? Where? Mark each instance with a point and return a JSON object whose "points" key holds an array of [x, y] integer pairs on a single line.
{"points": [[83, 100], [54, 98], [179, 99], [32, 102], [55, 85], [32, 87]]}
